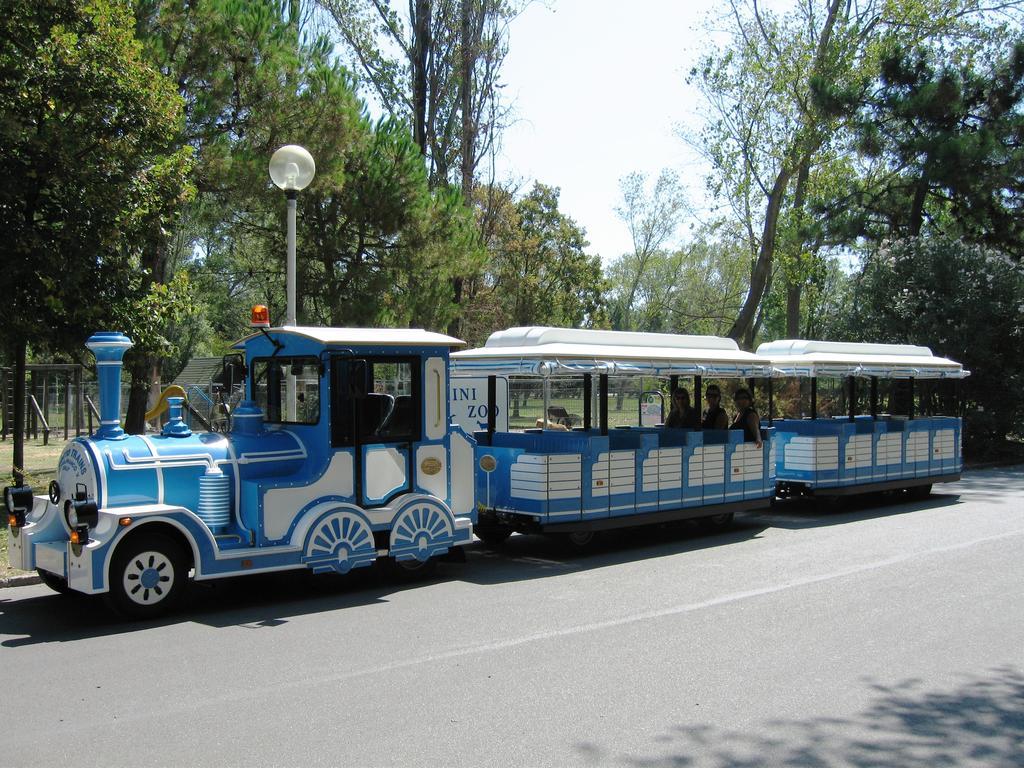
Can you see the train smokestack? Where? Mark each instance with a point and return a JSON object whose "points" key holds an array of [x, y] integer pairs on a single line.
{"points": [[109, 348]]}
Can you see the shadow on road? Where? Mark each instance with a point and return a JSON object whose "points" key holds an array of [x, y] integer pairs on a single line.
{"points": [[981, 722], [523, 558], [267, 600], [815, 513]]}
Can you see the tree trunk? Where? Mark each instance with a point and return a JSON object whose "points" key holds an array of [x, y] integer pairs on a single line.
{"points": [[741, 328], [420, 54], [763, 265], [138, 395], [468, 139], [795, 285], [793, 310]]}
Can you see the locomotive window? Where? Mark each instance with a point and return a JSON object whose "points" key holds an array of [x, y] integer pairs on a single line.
{"points": [[376, 400], [270, 389]]}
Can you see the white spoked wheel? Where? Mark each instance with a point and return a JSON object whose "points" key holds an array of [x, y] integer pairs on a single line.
{"points": [[149, 578], [146, 576]]}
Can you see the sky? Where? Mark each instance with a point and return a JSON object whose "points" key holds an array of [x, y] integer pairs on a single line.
{"points": [[599, 90]]}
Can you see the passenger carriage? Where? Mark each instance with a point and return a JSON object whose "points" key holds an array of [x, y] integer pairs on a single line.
{"points": [[878, 444], [342, 454], [595, 477]]}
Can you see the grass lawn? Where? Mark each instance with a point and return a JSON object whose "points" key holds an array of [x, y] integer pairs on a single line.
{"points": [[40, 469]]}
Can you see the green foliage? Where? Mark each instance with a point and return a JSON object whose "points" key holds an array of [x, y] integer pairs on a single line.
{"points": [[375, 246], [90, 170], [539, 272], [947, 146], [695, 289], [962, 300]]}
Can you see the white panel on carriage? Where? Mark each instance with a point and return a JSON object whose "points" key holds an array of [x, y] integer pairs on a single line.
{"points": [[858, 451], [944, 444], [281, 504], [435, 398], [462, 475], [435, 484], [890, 449], [384, 471], [917, 447]]}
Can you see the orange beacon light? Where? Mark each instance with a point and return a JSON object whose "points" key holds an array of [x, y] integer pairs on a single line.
{"points": [[260, 317]]}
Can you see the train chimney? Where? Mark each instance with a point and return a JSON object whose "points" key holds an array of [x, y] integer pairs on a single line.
{"points": [[109, 348]]}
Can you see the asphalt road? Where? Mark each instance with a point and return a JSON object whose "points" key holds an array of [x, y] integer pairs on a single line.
{"points": [[888, 634]]}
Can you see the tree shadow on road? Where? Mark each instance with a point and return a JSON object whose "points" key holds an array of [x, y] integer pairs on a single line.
{"points": [[816, 513], [979, 723]]}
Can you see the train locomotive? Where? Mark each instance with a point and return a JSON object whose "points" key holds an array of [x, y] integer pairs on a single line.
{"points": [[342, 454]]}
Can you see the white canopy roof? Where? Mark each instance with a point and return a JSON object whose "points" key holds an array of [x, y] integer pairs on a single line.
{"points": [[802, 357], [384, 337], [540, 351]]}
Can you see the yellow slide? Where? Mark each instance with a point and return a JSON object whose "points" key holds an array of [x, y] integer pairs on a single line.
{"points": [[161, 405]]}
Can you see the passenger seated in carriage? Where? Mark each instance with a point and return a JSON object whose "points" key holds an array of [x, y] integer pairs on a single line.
{"points": [[682, 415]]}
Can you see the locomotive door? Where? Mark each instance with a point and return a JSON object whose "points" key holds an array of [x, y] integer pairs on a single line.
{"points": [[376, 410]]}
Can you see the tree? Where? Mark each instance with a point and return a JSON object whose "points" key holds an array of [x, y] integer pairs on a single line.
{"points": [[90, 170], [652, 220], [945, 144], [539, 272], [437, 70], [375, 244], [963, 301], [769, 139]]}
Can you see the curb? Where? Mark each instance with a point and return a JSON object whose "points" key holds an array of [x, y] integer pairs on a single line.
{"points": [[21, 581]]}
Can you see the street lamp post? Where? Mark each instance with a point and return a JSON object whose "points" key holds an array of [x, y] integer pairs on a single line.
{"points": [[291, 169]]}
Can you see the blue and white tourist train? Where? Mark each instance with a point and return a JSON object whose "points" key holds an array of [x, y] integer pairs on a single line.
{"points": [[359, 445]]}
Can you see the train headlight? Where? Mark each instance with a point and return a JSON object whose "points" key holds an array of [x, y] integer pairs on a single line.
{"points": [[18, 501], [81, 513]]}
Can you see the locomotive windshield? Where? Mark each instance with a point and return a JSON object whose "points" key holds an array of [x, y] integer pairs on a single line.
{"points": [[270, 386]]}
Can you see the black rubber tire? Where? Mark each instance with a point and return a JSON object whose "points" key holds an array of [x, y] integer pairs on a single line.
{"points": [[492, 535], [411, 570], [158, 568], [720, 522], [920, 492], [57, 583], [576, 542]]}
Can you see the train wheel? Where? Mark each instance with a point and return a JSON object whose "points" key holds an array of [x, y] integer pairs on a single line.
{"points": [[576, 541], [57, 583], [413, 569], [718, 522], [492, 535], [147, 576], [920, 492]]}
